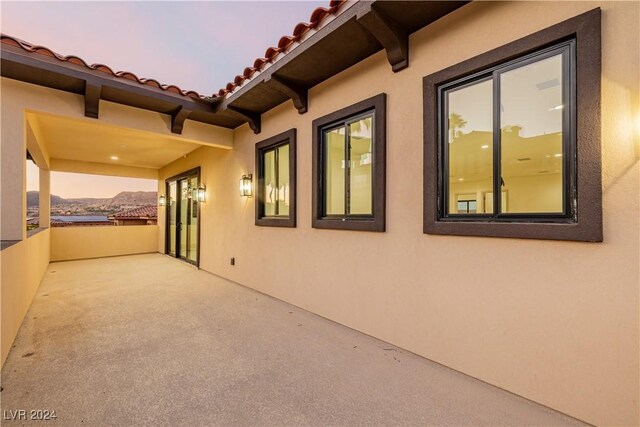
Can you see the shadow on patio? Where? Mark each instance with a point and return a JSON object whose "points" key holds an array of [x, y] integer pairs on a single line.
{"points": [[146, 339]]}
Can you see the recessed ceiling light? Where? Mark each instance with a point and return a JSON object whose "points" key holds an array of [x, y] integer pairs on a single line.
{"points": [[460, 179], [114, 157], [548, 156], [484, 147], [557, 155]]}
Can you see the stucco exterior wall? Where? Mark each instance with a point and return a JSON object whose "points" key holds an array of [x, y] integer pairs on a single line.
{"points": [[553, 321], [69, 243], [22, 267]]}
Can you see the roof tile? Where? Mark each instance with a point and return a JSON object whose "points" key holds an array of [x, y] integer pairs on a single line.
{"points": [[149, 211], [285, 42]]}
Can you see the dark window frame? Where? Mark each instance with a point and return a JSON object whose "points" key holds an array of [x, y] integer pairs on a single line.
{"points": [[262, 147], [377, 220], [567, 51], [186, 174], [583, 221]]}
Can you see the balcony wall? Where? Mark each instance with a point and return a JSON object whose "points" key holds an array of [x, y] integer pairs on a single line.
{"points": [[69, 243], [23, 266]]}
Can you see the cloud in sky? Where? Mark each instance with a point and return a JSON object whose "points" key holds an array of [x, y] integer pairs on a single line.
{"points": [[198, 46]]}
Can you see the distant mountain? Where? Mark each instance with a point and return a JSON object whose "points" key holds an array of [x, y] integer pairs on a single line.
{"points": [[89, 201], [135, 198], [131, 198], [33, 199]]}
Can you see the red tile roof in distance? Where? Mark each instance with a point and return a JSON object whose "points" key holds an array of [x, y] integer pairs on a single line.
{"points": [[149, 211], [41, 50], [285, 42]]}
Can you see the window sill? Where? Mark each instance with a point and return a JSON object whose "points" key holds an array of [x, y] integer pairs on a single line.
{"points": [[350, 224], [579, 232], [276, 222]]}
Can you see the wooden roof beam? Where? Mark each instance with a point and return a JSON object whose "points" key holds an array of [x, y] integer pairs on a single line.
{"points": [[177, 119], [251, 117], [389, 34], [92, 99], [297, 93]]}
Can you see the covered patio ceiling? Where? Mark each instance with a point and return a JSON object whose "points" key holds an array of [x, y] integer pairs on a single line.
{"points": [[69, 140]]}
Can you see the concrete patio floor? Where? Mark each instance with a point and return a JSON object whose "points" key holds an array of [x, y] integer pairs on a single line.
{"points": [[148, 340]]}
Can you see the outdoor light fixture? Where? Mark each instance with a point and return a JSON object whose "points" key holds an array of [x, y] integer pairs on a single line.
{"points": [[246, 186], [202, 194], [162, 201]]}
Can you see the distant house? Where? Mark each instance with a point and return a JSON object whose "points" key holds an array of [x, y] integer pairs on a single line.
{"points": [[78, 220], [144, 215]]}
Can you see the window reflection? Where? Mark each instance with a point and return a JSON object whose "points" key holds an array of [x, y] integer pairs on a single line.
{"points": [[334, 171], [531, 137], [470, 146], [276, 181]]}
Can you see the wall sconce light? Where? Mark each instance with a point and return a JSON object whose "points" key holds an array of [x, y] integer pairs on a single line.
{"points": [[162, 200], [246, 185], [202, 194]]}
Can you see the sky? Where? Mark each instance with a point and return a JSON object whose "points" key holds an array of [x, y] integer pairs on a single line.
{"points": [[73, 186], [197, 46]]}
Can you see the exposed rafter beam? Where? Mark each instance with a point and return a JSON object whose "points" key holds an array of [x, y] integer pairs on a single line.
{"points": [[177, 119], [390, 34], [92, 99], [297, 93], [251, 117]]}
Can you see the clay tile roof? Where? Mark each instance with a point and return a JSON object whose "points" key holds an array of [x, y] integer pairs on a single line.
{"points": [[150, 211], [41, 50], [285, 42]]}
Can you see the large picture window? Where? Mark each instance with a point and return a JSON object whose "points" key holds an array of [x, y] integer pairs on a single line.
{"points": [[508, 131], [276, 171], [521, 122], [349, 167]]}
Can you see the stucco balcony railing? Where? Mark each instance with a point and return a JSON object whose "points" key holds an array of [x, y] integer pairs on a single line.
{"points": [[70, 243]]}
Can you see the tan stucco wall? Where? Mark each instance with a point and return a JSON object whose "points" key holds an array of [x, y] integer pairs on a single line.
{"points": [[68, 243], [556, 322], [21, 269]]}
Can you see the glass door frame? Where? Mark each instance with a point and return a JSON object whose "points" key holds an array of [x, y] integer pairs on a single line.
{"points": [[177, 178]]}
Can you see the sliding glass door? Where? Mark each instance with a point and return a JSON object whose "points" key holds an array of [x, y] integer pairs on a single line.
{"points": [[183, 213]]}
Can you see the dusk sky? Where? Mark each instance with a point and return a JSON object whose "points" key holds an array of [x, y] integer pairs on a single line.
{"points": [[197, 46]]}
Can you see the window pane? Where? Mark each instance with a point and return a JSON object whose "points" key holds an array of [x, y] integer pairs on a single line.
{"points": [[283, 180], [361, 154], [270, 190], [469, 139], [334, 143], [531, 132]]}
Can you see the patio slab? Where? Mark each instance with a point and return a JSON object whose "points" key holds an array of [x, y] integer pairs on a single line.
{"points": [[149, 340]]}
